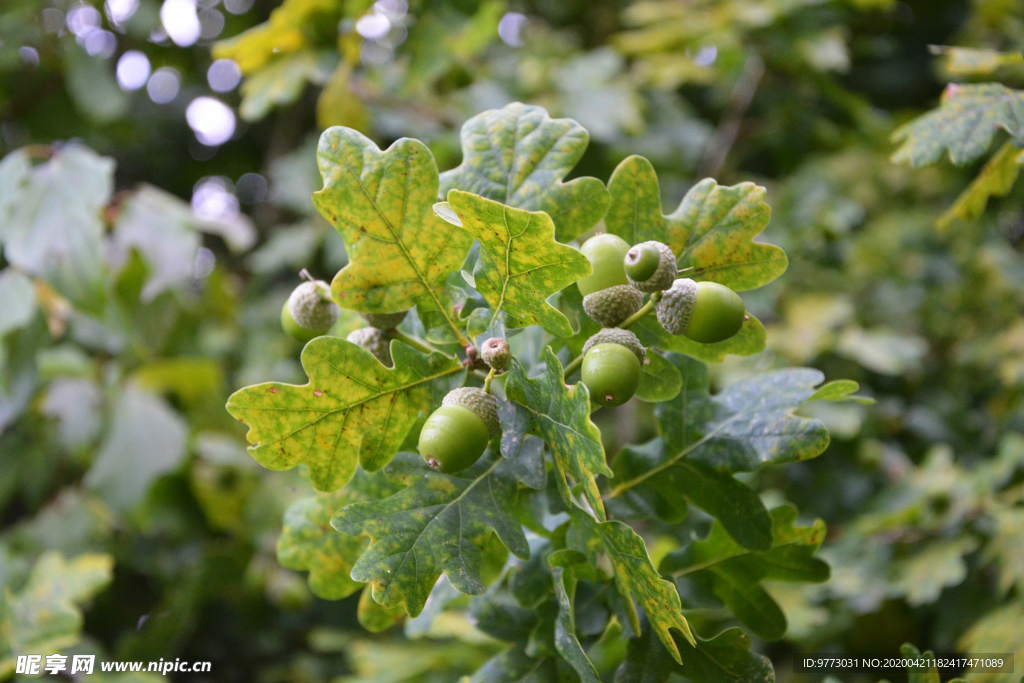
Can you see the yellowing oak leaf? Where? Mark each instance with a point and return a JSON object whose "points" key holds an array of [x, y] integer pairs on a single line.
{"points": [[353, 410], [399, 251], [520, 263], [712, 231]]}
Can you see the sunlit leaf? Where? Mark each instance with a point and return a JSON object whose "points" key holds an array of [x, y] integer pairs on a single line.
{"points": [[520, 263], [400, 252], [996, 179], [45, 616], [711, 232], [352, 411], [438, 524], [519, 156]]}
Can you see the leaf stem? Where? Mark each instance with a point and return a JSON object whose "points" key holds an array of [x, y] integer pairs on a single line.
{"points": [[574, 365]]}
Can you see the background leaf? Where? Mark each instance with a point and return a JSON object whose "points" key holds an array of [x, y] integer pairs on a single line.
{"points": [[520, 264], [518, 156], [660, 380], [352, 411], [963, 125]]}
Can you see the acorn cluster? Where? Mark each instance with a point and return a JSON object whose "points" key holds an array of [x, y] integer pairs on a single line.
{"points": [[705, 312], [454, 436]]}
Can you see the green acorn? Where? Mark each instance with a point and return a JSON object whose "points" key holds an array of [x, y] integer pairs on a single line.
{"points": [[615, 335], [309, 311], [385, 321], [456, 434], [650, 266], [374, 341], [496, 353], [605, 253], [706, 312], [609, 307], [611, 373]]}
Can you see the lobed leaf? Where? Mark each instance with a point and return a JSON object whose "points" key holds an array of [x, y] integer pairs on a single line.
{"points": [[967, 119], [566, 641], [635, 576], [45, 615], [710, 232], [734, 573], [353, 411], [726, 658], [400, 252], [520, 262], [996, 179], [560, 415], [309, 543], [518, 156], [438, 524]]}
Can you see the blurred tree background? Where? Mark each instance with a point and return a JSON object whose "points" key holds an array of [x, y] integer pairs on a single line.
{"points": [[194, 215]]}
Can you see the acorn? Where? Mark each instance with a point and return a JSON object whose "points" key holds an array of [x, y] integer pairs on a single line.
{"points": [[385, 321], [609, 307], [456, 434], [496, 353], [706, 312], [374, 341], [650, 266], [611, 373], [605, 253], [309, 311]]}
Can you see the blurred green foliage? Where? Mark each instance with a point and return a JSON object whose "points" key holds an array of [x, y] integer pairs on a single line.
{"points": [[909, 281]]}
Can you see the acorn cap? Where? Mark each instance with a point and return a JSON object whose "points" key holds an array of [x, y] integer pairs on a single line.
{"points": [[609, 307], [614, 335], [374, 341], [311, 307], [676, 306], [496, 353], [384, 321], [480, 402], [640, 259]]}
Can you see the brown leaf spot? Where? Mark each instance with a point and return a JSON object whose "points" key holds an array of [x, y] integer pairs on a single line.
{"points": [[272, 390], [317, 392]]}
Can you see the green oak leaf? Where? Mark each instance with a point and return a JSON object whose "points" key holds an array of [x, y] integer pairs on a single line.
{"points": [[734, 573], [45, 616], [520, 263], [687, 482], [967, 119], [400, 252], [660, 380], [566, 641], [353, 411], [560, 415], [635, 576], [309, 543], [438, 524], [516, 666], [750, 423], [711, 232], [925, 673], [726, 658], [519, 156], [750, 340]]}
